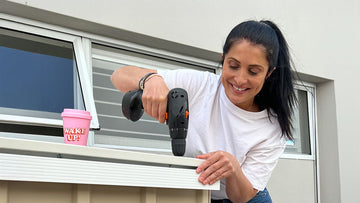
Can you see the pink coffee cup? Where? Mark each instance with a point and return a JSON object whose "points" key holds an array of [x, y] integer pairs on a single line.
{"points": [[76, 124]]}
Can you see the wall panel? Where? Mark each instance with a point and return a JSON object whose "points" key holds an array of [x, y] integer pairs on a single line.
{"points": [[22, 192]]}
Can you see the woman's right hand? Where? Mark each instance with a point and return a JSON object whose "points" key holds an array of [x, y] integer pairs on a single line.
{"points": [[155, 91], [154, 98]]}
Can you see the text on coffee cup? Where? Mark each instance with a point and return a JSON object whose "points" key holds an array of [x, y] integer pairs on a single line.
{"points": [[74, 134]]}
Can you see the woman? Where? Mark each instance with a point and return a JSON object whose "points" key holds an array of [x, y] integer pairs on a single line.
{"points": [[239, 120]]}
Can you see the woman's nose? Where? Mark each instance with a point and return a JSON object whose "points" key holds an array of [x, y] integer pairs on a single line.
{"points": [[241, 76]]}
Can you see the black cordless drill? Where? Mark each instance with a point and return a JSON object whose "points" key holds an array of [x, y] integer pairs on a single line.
{"points": [[177, 115]]}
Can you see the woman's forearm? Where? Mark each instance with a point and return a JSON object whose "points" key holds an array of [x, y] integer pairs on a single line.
{"points": [[127, 78], [238, 188]]}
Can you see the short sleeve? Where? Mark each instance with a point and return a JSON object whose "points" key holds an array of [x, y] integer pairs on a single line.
{"points": [[193, 81], [260, 163]]}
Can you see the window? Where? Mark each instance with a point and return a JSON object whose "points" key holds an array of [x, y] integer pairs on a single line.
{"points": [[40, 76], [42, 72], [147, 134], [303, 122]]}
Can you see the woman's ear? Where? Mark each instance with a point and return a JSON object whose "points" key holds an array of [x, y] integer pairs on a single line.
{"points": [[269, 73]]}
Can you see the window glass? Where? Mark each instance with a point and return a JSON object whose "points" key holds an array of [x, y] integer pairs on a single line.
{"points": [[38, 76], [301, 131], [116, 131]]}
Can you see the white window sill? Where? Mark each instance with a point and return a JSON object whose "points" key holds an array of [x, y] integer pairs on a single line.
{"points": [[37, 161]]}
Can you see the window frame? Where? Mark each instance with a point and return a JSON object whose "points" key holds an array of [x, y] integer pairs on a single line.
{"points": [[310, 89], [83, 53], [82, 68], [123, 58]]}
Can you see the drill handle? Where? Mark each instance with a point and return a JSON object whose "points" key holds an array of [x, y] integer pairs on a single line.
{"points": [[178, 113], [178, 119]]}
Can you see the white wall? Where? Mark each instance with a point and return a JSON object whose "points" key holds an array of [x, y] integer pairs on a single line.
{"points": [[324, 36], [287, 187]]}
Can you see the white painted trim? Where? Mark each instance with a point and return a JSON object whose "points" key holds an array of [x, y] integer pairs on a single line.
{"points": [[312, 122], [30, 120], [138, 149], [154, 52], [316, 153], [25, 160], [30, 146], [297, 156], [61, 170], [85, 81], [125, 60], [36, 30]]}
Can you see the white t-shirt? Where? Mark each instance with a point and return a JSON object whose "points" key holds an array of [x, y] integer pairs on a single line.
{"points": [[215, 123]]}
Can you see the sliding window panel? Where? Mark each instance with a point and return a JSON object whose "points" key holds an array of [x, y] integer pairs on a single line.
{"points": [[116, 131], [42, 73]]}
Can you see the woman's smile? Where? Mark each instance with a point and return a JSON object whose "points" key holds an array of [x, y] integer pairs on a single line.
{"points": [[239, 89], [244, 71]]}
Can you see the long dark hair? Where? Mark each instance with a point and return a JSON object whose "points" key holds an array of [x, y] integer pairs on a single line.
{"points": [[278, 91]]}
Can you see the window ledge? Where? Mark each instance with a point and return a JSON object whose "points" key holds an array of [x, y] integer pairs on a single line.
{"points": [[25, 160]]}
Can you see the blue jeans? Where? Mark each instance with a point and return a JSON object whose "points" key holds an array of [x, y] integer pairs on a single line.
{"points": [[260, 197]]}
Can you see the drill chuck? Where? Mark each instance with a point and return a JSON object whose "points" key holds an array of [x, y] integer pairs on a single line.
{"points": [[178, 146]]}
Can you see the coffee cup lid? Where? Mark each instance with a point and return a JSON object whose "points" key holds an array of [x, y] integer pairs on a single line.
{"points": [[76, 113]]}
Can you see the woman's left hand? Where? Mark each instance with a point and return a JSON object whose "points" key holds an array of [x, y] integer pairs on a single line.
{"points": [[217, 165]]}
